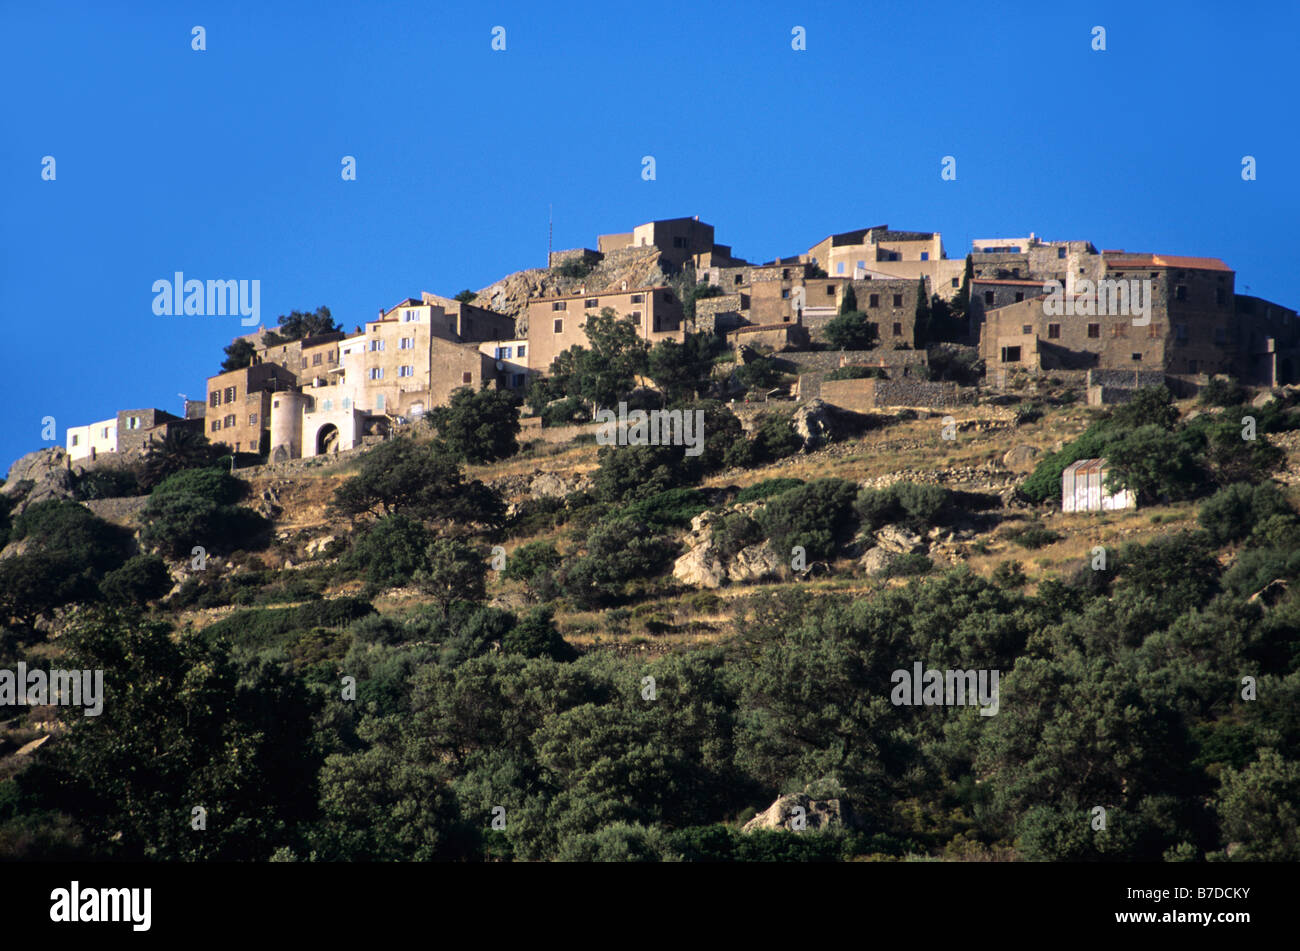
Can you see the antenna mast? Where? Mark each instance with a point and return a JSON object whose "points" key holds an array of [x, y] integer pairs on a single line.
{"points": [[550, 229]]}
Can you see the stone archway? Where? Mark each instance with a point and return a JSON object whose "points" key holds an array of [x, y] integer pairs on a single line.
{"points": [[327, 439]]}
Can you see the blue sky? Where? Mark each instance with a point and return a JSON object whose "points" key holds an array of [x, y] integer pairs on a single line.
{"points": [[226, 163]]}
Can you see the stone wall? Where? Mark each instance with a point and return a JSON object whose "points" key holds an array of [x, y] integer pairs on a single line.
{"points": [[863, 395], [1125, 378], [556, 258]]}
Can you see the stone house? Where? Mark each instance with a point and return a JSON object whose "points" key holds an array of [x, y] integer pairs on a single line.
{"points": [[556, 323], [239, 405]]}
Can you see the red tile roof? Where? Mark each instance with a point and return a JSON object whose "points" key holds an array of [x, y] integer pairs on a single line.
{"points": [[1121, 259]]}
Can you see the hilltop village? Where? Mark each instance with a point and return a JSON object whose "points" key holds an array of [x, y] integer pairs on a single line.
{"points": [[1110, 321]]}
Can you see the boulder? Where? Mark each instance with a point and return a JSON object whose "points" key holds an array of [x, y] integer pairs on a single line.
{"points": [[817, 814], [1021, 458], [877, 560], [317, 546], [47, 472], [755, 563], [548, 485], [900, 540], [700, 567], [813, 423], [1263, 399]]}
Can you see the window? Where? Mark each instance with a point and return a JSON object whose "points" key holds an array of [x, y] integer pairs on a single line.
{"points": [[898, 300], [592, 303], [228, 421], [334, 356], [304, 362], [668, 297], [376, 373], [785, 273], [988, 297], [1094, 331], [410, 316], [376, 345], [873, 300], [467, 377], [1020, 295], [636, 317], [638, 298], [406, 371], [503, 353], [830, 291], [898, 329], [1010, 354], [379, 401], [216, 425], [252, 419], [560, 305], [925, 255], [739, 279], [956, 282], [1060, 252], [347, 402], [230, 394], [785, 293], [1180, 333], [1027, 329], [679, 242], [214, 398], [1180, 292], [315, 359], [559, 325], [520, 353], [1053, 331], [76, 439], [406, 343], [517, 379], [1137, 358], [1015, 272], [863, 265], [839, 268], [133, 422], [329, 405]]}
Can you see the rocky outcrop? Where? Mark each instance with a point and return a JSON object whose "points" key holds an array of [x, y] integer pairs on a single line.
{"points": [[877, 560], [42, 475], [818, 423], [704, 567], [899, 540], [1021, 458], [800, 812]]}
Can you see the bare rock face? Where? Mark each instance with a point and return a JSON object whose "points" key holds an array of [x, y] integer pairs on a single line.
{"points": [[700, 567], [755, 563], [899, 540], [1021, 458], [550, 485], [316, 547], [813, 423], [1263, 399], [817, 814], [877, 560], [47, 472]]}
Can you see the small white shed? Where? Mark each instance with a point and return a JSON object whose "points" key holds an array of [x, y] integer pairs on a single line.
{"points": [[1083, 489]]}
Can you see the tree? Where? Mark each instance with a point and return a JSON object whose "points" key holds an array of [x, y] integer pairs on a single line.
{"points": [[301, 323], [535, 636], [849, 302], [391, 551], [183, 725], [1232, 513], [923, 332], [1153, 462], [478, 427], [851, 331], [453, 570], [141, 579], [178, 449], [238, 355], [466, 296], [682, 370], [618, 354], [403, 476]]}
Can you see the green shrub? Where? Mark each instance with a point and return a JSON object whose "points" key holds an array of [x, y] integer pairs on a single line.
{"points": [[271, 627], [1232, 513], [141, 579], [912, 503], [766, 489], [671, 509], [817, 516], [390, 551], [1033, 536], [1220, 392]]}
